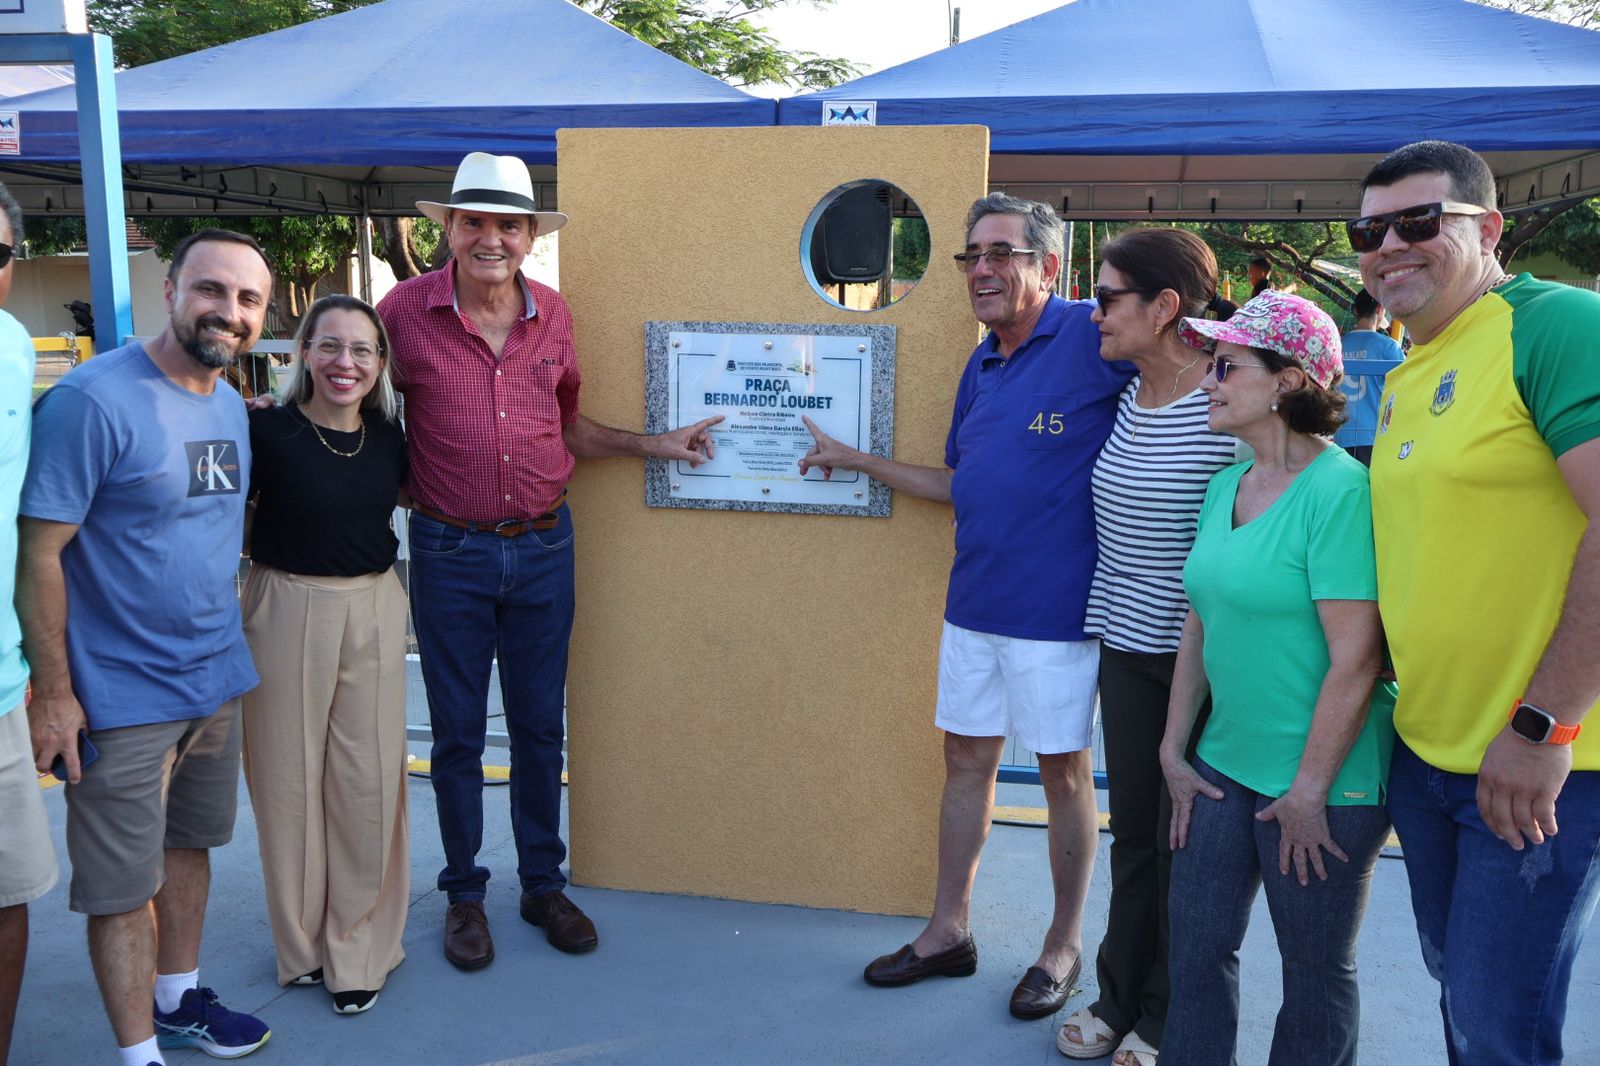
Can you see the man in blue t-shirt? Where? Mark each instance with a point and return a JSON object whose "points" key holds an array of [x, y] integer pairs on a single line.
{"points": [[1034, 405], [133, 514], [1369, 355]]}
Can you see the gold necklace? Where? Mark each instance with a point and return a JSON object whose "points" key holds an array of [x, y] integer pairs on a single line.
{"points": [[343, 455], [1137, 426]]}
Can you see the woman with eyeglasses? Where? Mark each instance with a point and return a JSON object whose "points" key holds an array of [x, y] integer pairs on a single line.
{"points": [[325, 617], [1286, 788], [1148, 483]]}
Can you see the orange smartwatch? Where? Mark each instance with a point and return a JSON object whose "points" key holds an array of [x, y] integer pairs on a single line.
{"points": [[1538, 726]]}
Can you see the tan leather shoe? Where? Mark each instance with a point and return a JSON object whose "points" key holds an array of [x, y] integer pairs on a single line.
{"points": [[467, 943], [565, 926]]}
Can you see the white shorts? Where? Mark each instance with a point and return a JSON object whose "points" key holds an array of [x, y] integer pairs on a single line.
{"points": [[1040, 691], [27, 858]]}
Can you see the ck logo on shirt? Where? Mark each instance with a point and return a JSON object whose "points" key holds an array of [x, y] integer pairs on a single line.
{"points": [[213, 467], [1388, 413]]}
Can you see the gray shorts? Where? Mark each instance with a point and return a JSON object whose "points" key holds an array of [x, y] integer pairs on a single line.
{"points": [[27, 858], [158, 786]]}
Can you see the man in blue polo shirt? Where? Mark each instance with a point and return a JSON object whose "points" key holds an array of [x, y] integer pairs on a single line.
{"points": [[1034, 406]]}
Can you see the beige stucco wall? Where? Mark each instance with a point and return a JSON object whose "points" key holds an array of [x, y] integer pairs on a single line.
{"points": [[40, 287], [751, 695]]}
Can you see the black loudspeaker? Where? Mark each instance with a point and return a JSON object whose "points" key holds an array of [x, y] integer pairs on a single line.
{"points": [[852, 238]]}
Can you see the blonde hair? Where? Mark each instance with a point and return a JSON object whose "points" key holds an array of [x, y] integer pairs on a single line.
{"points": [[298, 389]]}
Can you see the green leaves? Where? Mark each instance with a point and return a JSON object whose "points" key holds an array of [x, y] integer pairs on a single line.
{"points": [[1572, 235], [147, 31], [1583, 13], [720, 39]]}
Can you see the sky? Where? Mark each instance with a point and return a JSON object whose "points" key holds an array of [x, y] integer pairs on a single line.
{"points": [[877, 34]]}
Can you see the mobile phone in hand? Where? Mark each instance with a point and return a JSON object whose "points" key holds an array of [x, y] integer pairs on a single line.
{"points": [[87, 754]]}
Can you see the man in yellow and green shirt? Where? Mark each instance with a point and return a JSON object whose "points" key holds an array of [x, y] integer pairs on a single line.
{"points": [[1485, 487]]}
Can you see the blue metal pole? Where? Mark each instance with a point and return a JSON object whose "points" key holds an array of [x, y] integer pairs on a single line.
{"points": [[100, 144]]}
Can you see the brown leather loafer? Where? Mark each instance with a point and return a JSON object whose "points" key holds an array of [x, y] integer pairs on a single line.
{"points": [[906, 966], [467, 943], [1038, 994], [565, 926]]}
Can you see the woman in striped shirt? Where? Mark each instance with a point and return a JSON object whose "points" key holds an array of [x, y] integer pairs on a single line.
{"points": [[1148, 484]]}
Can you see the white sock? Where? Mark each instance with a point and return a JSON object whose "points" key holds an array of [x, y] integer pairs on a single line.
{"points": [[142, 1054], [170, 988]]}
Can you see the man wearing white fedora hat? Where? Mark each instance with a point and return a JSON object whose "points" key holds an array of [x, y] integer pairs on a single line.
{"points": [[485, 359]]}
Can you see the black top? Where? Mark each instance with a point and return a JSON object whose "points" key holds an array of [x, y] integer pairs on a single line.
{"points": [[318, 513]]}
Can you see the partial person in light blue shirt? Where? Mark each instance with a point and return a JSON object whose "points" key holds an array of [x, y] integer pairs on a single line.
{"points": [[27, 857], [16, 396], [1369, 354]]}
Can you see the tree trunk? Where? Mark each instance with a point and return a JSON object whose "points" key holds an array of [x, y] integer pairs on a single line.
{"points": [[398, 250], [1530, 226], [1303, 266]]}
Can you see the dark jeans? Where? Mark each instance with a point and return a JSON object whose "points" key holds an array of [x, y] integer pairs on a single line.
{"points": [[473, 596], [1214, 881], [1132, 962], [1499, 928]]}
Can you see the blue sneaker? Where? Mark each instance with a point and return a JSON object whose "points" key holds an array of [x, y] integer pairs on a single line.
{"points": [[200, 1021]]}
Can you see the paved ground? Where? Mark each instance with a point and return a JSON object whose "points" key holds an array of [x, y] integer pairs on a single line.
{"points": [[680, 980]]}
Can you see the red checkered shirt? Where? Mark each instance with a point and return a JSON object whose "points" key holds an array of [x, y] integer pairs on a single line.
{"points": [[484, 435]]}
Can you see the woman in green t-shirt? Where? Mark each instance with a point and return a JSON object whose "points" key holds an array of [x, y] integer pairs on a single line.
{"points": [[1283, 635]]}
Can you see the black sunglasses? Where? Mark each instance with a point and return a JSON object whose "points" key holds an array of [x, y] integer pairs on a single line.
{"points": [[6, 252], [1103, 295], [1220, 366], [1411, 224]]}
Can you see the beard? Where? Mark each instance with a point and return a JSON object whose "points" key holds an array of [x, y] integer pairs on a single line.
{"points": [[210, 352]]}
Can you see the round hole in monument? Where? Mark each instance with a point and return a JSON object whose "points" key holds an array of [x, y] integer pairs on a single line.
{"points": [[865, 245]]}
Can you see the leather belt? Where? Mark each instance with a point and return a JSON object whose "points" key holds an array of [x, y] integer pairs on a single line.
{"points": [[509, 527]]}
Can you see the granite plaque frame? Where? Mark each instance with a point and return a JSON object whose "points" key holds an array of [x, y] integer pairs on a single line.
{"points": [[762, 377]]}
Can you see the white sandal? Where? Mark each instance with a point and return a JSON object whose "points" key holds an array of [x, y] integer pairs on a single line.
{"points": [[1101, 1038], [1135, 1045]]}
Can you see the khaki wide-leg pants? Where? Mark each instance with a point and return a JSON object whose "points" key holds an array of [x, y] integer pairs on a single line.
{"points": [[325, 759]]}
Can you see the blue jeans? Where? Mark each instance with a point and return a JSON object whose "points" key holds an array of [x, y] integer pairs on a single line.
{"points": [[474, 595], [1214, 881], [1499, 928]]}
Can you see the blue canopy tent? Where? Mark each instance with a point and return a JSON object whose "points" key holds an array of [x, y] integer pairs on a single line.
{"points": [[1251, 108], [298, 118]]}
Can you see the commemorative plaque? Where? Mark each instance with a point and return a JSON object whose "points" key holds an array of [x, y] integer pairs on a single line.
{"points": [[763, 379]]}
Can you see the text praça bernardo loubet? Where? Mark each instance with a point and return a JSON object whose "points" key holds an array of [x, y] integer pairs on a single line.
{"points": [[769, 392]]}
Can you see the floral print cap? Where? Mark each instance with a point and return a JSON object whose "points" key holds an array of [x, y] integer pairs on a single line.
{"points": [[1292, 326]]}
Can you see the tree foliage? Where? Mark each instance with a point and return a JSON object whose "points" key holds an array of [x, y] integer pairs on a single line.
{"points": [[53, 234], [1572, 234], [302, 249], [912, 247], [1298, 251], [147, 31], [719, 38], [1584, 13]]}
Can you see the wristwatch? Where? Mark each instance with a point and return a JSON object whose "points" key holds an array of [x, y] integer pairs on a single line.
{"points": [[1538, 726]]}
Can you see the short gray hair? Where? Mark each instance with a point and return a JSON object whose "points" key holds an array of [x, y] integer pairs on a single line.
{"points": [[1041, 228], [13, 210]]}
